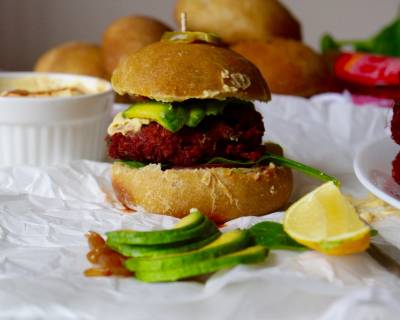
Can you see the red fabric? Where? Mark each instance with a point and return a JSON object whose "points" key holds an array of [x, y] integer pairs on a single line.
{"points": [[368, 69]]}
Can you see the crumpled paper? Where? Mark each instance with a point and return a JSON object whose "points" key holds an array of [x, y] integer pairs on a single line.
{"points": [[45, 212]]}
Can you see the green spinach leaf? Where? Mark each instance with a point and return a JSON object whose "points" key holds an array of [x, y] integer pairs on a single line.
{"points": [[133, 164], [385, 42], [281, 161], [271, 235]]}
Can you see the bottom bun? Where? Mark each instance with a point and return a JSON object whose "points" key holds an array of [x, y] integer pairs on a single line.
{"points": [[220, 193]]}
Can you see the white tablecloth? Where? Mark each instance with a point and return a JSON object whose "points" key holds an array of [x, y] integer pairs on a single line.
{"points": [[45, 212]]}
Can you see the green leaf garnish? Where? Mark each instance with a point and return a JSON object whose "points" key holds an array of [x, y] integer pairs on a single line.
{"points": [[271, 235], [266, 158], [386, 41], [281, 161], [328, 43], [134, 164], [138, 164], [373, 232]]}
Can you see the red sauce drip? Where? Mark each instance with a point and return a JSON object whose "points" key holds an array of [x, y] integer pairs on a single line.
{"points": [[127, 210]]}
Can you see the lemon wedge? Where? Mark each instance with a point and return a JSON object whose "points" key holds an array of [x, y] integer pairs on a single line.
{"points": [[325, 220]]}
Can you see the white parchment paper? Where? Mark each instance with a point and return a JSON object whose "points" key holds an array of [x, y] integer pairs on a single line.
{"points": [[45, 212]]}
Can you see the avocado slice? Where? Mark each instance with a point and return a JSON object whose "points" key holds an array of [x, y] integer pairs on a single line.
{"points": [[170, 117], [196, 115], [194, 218], [198, 109], [129, 250], [228, 242], [252, 254], [193, 226], [174, 116], [215, 108], [191, 37]]}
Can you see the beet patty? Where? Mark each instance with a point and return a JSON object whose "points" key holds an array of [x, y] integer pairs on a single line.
{"points": [[236, 134]]}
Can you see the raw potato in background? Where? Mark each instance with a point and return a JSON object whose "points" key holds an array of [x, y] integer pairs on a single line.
{"points": [[72, 57], [127, 35], [238, 20], [289, 66]]}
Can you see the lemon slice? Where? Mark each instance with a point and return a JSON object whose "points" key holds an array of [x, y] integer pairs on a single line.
{"points": [[324, 220]]}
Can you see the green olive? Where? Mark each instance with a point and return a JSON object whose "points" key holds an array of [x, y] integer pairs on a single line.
{"points": [[192, 37]]}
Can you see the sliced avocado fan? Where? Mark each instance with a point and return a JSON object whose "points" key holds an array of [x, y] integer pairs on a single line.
{"points": [[193, 226], [228, 242], [174, 116], [129, 250], [252, 254]]}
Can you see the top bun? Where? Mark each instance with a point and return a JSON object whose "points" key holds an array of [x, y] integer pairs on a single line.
{"points": [[169, 72], [238, 20]]}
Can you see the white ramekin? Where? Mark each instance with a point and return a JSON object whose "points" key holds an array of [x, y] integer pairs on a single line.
{"points": [[47, 130]]}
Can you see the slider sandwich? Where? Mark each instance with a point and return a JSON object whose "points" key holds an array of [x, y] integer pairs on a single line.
{"points": [[195, 138]]}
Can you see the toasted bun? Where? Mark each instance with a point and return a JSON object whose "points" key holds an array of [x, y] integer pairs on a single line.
{"points": [[238, 20], [170, 72], [72, 57], [220, 193], [289, 66], [127, 35]]}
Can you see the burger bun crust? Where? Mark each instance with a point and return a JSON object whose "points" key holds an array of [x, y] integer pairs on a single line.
{"points": [[173, 72], [220, 193]]}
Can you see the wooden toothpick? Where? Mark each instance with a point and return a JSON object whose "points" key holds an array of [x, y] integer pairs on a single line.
{"points": [[183, 21]]}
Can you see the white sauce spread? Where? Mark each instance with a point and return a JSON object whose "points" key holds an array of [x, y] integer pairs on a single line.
{"points": [[124, 125]]}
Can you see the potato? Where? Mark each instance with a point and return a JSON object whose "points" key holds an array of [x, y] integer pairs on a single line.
{"points": [[72, 57], [239, 20], [127, 35], [288, 66]]}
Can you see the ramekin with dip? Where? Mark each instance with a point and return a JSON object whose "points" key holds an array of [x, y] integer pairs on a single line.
{"points": [[48, 118]]}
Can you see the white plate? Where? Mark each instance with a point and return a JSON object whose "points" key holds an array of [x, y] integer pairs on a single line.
{"points": [[373, 167]]}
